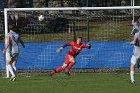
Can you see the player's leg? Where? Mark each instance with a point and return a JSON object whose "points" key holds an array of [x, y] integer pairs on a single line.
{"points": [[132, 69], [14, 61], [7, 72], [10, 67], [14, 66], [132, 72], [8, 64], [59, 69], [70, 65]]}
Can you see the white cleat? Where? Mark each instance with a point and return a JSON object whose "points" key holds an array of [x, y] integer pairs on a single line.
{"points": [[132, 82], [13, 78]]}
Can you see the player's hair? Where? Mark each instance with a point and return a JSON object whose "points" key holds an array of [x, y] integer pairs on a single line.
{"points": [[11, 27], [138, 17], [79, 38]]}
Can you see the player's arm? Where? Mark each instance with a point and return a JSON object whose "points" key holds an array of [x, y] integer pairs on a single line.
{"points": [[86, 46], [22, 43], [133, 42], [65, 45], [68, 44], [6, 44]]}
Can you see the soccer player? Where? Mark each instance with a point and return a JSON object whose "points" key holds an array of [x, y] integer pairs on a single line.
{"points": [[136, 55], [76, 47], [135, 26], [12, 51]]}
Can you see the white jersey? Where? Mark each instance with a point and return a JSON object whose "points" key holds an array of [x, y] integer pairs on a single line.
{"points": [[135, 28], [136, 56], [137, 37], [13, 44], [137, 45]]}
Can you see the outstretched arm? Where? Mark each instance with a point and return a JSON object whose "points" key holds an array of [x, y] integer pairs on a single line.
{"points": [[68, 44], [86, 46], [65, 45]]}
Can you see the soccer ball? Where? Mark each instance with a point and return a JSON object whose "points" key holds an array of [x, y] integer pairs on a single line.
{"points": [[41, 17]]}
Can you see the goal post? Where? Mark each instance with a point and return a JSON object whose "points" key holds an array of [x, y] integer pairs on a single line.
{"points": [[106, 28]]}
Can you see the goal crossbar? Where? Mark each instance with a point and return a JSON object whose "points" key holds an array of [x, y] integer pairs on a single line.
{"points": [[72, 8]]}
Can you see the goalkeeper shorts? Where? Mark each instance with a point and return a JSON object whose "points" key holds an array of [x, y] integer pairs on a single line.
{"points": [[69, 58]]}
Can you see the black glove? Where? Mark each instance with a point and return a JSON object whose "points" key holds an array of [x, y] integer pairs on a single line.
{"points": [[89, 46]]}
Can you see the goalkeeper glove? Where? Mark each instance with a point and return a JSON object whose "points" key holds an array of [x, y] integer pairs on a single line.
{"points": [[59, 49], [89, 46]]}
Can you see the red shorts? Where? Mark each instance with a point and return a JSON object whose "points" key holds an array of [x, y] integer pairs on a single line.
{"points": [[68, 59]]}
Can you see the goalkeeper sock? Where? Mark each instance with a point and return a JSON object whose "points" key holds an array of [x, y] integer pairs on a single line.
{"points": [[69, 66], [59, 69], [11, 70], [132, 76]]}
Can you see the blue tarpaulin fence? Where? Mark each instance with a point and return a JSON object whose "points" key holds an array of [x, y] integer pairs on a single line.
{"points": [[101, 55]]}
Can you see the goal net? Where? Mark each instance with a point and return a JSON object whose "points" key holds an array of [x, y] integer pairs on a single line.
{"points": [[107, 29]]}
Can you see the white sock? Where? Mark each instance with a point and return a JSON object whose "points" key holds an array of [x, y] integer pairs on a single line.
{"points": [[7, 72], [132, 76], [15, 69], [11, 70]]}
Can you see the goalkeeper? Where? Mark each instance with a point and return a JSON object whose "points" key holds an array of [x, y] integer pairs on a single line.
{"points": [[76, 47]]}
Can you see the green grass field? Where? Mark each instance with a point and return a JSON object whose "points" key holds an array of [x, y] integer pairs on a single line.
{"points": [[78, 83]]}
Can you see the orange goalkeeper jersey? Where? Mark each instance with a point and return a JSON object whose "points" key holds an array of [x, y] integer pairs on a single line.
{"points": [[75, 48]]}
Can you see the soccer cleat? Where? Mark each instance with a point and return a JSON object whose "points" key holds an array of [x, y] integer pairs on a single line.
{"points": [[68, 73], [13, 78], [132, 82]]}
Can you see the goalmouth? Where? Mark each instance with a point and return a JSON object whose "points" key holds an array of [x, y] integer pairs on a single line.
{"points": [[106, 28]]}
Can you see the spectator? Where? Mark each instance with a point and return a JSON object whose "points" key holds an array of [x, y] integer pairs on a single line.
{"points": [[20, 3], [2, 4], [29, 3], [19, 22], [11, 3], [123, 3], [11, 20]]}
